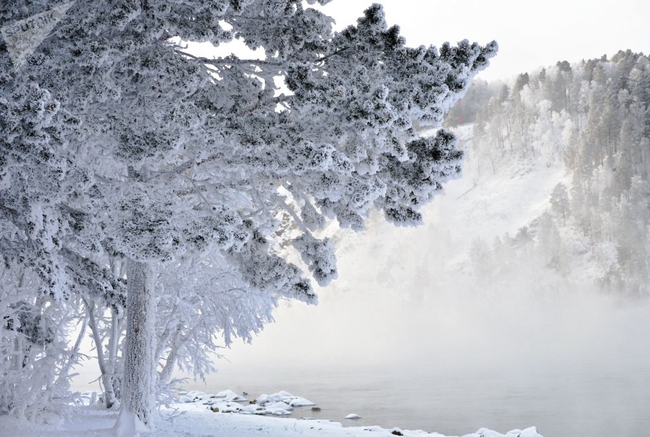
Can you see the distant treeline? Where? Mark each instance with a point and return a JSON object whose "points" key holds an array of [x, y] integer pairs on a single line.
{"points": [[594, 117]]}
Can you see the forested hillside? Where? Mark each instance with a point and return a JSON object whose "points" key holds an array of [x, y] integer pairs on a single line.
{"points": [[593, 118]]}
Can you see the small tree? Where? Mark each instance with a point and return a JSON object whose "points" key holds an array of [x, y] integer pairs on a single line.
{"points": [[560, 201]]}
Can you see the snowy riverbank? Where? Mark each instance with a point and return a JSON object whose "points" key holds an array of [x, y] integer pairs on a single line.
{"points": [[224, 414]]}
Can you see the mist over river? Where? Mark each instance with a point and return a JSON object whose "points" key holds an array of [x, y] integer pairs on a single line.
{"points": [[573, 365]]}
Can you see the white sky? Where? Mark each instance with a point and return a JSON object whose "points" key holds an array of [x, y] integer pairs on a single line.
{"points": [[530, 34]]}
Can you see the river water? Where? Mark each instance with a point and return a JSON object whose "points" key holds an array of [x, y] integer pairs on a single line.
{"points": [[573, 366], [576, 403]]}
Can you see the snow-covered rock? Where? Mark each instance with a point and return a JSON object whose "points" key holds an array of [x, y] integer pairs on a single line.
{"points": [[231, 396], [196, 395], [253, 409], [225, 407], [528, 432], [484, 432], [278, 408], [286, 397], [227, 401]]}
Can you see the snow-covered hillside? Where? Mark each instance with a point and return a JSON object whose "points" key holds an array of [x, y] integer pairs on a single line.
{"points": [[489, 205]]}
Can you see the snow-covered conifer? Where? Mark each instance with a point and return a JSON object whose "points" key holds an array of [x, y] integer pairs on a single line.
{"points": [[145, 152]]}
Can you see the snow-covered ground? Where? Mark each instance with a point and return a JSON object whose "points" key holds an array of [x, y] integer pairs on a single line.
{"points": [[224, 414]]}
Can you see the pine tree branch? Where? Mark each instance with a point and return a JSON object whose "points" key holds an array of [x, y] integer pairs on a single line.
{"points": [[231, 60], [338, 52], [280, 201]]}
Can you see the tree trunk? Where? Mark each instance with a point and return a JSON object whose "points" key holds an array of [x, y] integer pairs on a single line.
{"points": [[107, 377], [137, 396], [166, 373], [113, 343]]}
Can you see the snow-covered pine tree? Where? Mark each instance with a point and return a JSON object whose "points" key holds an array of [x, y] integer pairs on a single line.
{"points": [[163, 153]]}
